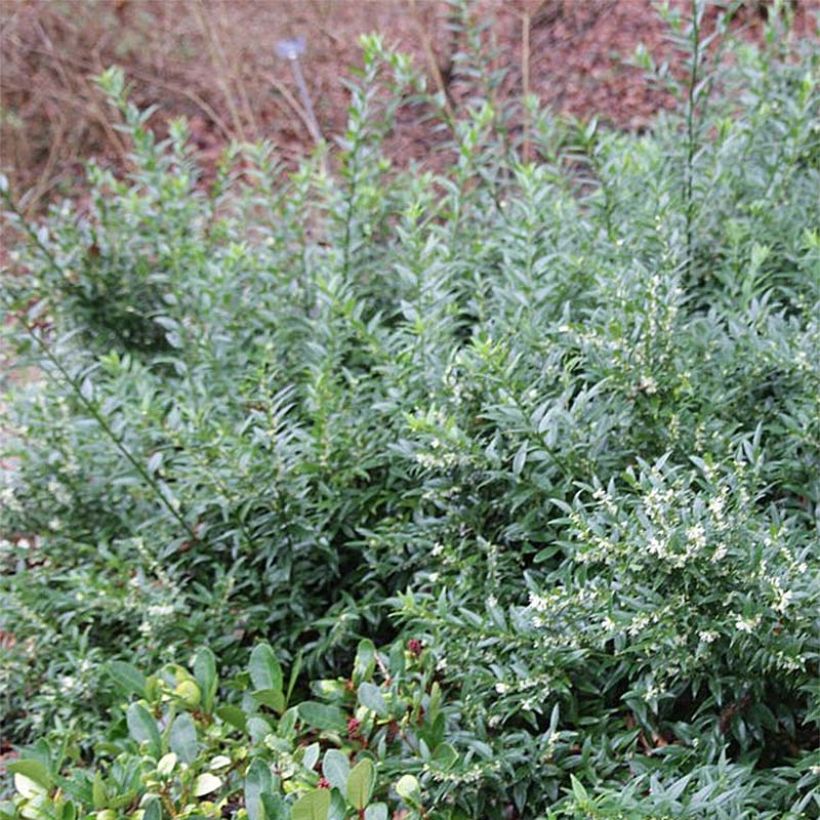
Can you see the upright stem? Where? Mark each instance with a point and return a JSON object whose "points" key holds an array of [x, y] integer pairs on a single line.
{"points": [[88, 403]]}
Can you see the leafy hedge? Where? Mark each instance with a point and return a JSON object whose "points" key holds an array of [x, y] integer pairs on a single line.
{"points": [[554, 422]]}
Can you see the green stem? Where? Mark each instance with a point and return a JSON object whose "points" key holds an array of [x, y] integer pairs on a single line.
{"points": [[90, 405]]}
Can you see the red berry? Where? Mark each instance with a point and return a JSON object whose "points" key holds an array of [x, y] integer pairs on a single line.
{"points": [[414, 645]]}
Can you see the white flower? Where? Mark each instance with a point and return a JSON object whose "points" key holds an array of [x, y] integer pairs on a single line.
{"points": [[717, 504], [785, 598], [649, 385], [538, 603], [696, 536], [719, 553], [67, 684], [746, 624], [707, 636]]}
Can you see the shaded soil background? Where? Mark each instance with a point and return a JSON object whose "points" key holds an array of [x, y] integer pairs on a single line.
{"points": [[215, 62]]}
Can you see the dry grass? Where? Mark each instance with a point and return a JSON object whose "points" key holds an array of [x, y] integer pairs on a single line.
{"points": [[214, 61]]}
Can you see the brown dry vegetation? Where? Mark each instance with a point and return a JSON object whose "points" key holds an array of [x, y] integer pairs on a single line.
{"points": [[215, 62]]}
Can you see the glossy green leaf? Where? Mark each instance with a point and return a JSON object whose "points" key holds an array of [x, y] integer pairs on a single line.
{"points": [[408, 789], [314, 805], [34, 770], [183, 738], [206, 783], [98, 795], [264, 669], [153, 809], [371, 696], [258, 782], [336, 768], [376, 811], [143, 728], [233, 715], [206, 676], [128, 678], [360, 783], [365, 661], [323, 717], [270, 697]]}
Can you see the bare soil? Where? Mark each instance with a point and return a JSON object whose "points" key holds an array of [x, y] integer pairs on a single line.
{"points": [[215, 62]]}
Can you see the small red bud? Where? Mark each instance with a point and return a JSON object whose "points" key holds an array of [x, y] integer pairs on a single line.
{"points": [[323, 783], [353, 727], [415, 646]]}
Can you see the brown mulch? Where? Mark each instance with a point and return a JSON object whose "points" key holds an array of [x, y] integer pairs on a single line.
{"points": [[215, 62]]}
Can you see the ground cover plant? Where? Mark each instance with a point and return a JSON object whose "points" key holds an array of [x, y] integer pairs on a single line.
{"points": [[543, 427]]}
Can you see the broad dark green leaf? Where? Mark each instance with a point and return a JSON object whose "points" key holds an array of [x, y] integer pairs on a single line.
{"points": [[336, 768], [183, 738], [206, 676], [258, 782], [371, 696], [264, 668], [323, 717], [314, 805], [143, 728], [128, 678], [360, 783]]}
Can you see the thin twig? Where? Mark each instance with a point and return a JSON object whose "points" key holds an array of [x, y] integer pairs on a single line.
{"points": [[432, 62]]}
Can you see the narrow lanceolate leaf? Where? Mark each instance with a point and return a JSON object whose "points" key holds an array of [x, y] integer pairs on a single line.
{"points": [[314, 805], [143, 728], [264, 669], [360, 783], [183, 740]]}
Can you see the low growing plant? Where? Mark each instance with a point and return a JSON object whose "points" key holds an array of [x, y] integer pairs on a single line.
{"points": [[187, 746]]}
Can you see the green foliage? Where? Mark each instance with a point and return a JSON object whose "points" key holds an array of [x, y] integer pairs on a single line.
{"points": [[168, 754], [548, 431]]}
